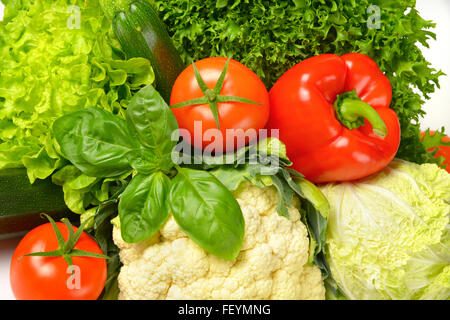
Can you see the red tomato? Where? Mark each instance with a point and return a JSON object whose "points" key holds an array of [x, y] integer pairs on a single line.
{"points": [[241, 82], [49, 278], [444, 151]]}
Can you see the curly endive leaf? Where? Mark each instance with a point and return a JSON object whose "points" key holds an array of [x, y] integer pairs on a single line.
{"points": [[269, 37]]}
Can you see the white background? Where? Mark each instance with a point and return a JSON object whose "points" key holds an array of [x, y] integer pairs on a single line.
{"points": [[438, 108]]}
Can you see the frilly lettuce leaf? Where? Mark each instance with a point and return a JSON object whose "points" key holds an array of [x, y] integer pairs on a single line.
{"points": [[269, 37], [51, 67]]}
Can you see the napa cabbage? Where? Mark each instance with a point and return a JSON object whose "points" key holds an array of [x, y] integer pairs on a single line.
{"points": [[388, 235]]}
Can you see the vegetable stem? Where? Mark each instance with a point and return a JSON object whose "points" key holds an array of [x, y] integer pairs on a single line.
{"points": [[212, 96], [66, 249], [351, 112]]}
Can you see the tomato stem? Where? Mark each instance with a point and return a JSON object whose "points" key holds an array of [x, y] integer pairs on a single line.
{"points": [[352, 111], [66, 249], [212, 96]]}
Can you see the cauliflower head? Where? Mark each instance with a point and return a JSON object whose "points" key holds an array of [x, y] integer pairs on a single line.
{"points": [[272, 263]]}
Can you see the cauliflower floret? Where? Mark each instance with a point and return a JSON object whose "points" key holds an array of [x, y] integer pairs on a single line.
{"points": [[272, 263]]}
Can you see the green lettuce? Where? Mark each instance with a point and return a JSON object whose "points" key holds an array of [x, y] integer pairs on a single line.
{"points": [[270, 36], [57, 57], [388, 235]]}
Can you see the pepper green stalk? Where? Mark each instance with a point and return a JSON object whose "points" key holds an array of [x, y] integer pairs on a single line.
{"points": [[351, 112]]}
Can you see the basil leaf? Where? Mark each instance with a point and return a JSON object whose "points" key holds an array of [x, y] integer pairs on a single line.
{"points": [[207, 212], [153, 123], [143, 207], [144, 161], [97, 142]]}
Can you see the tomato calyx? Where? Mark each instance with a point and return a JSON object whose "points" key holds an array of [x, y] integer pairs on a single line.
{"points": [[212, 97], [351, 111], [66, 249]]}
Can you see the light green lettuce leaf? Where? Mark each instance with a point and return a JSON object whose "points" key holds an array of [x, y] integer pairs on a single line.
{"points": [[51, 67], [388, 235]]}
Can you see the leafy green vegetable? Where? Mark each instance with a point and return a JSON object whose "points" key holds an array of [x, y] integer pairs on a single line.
{"points": [[75, 186], [206, 211], [151, 121], [58, 56], [143, 207], [388, 235], [100, 144], [96, 142], [102, 230], [269, 37], [82, 191]]}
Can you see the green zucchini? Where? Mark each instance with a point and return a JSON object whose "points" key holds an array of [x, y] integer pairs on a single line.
{"points": [[142, 34], [21, 203]]}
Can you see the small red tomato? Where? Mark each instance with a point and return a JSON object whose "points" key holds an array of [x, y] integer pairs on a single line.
{"points": [[240, 119], [51, 278]]}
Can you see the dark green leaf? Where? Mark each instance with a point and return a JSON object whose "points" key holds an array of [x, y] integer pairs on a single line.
{"points": [[207, 211], [146, 161], [286, 175], [270, 37], [103, 235], [317, 225], [102, 225], [285, 195], [152, 122], [232, 177], [97, 142], [111, 290], [143, 206]]}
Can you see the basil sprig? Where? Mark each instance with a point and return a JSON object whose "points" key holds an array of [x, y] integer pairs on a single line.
{"points": [[104, 145], [143, 207]]}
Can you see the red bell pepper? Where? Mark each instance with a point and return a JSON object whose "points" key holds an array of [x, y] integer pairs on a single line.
{"points": [[333, 115]]}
